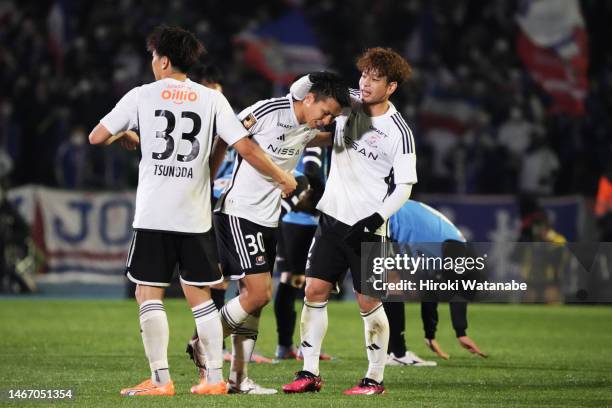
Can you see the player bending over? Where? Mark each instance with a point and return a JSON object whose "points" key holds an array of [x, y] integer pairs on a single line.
{"points": [[247, 214], [417, 223]]}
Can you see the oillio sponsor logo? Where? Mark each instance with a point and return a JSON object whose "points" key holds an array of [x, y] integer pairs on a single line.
{"points": [[178, 96]]}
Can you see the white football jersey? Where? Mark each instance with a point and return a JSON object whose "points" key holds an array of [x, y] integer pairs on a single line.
{"points": [[274, 126], [370, 155], [177, 122]]}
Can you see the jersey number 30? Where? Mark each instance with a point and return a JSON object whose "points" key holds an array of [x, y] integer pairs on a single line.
{"points": [[189, 136]]}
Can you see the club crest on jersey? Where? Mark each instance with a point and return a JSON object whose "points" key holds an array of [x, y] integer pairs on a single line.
{"points": [[374, 137], [372, 140], [359, 149], [249, 121], [260, 260], [179, 95]]}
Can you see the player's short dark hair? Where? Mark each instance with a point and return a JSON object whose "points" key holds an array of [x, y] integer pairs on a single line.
{"points": [[181, 47], [329, 85], [385, 62], [207, 73]]}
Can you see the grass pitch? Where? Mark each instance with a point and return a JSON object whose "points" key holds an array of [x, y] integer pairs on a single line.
{"points": [[539, 356]]}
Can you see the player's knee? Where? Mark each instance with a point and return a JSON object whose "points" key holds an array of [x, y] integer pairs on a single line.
{"points": [[260, 299], [315, 292], [139, 294], [366, 303]]}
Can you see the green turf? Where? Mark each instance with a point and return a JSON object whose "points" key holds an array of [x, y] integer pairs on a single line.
{"points": [[539, 356]]}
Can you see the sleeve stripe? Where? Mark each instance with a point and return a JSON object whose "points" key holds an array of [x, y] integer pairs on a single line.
{"points": [[271, 103], [272, 109], [406, 133], [262, 110], [407, 138], [403, 134]]}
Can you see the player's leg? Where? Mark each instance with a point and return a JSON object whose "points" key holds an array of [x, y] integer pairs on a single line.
{"points": [[250, 256], [150, 265], [244, 338], [296, 242], [233, 258], [397, 325], [284, 312], [325, 266], [198, 271], [284, 299], [314, 321], [194, 346], [376, 329], [217, 294]]}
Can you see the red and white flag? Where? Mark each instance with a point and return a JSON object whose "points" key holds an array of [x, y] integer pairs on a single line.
{"points": [[552, 43]]}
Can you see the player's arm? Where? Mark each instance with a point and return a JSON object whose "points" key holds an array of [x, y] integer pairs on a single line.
{"points": [[114, 126], [217, 155], [128, 139], [321, 139], [99, 134], [300, 88], [394, 202], [251, 152]]}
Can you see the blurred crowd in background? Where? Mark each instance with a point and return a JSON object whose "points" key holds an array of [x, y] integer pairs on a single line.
{"points": [[482, 123]]}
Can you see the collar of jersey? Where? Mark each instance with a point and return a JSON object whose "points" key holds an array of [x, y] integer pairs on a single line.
{"points": [[388, 113], [293, 117]]}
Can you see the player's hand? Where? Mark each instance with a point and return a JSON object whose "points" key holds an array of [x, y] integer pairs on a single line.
{"points": [[298, 281], [287, 184], [128, 139], [435, 347], [305, 202], [470, 346], [356, 234], [300, 88], [372, 223]]}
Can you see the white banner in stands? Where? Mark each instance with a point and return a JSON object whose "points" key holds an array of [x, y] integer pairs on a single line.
{"points": [[83, 232]]}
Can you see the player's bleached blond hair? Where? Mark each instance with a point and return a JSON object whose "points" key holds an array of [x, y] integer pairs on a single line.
{"points": [[385, 62]]}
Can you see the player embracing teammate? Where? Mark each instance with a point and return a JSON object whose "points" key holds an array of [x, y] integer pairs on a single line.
{"points": [[373, 168]]}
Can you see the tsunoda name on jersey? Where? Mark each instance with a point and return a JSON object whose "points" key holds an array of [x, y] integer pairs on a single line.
{"points": [[172, 171]]}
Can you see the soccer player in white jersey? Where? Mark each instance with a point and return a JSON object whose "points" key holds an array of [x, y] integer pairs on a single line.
{"points": [[373, 168], [177, 119], [247, 214]]}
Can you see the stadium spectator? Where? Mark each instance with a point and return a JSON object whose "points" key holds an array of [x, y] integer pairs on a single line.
{"points": [[603, 205], [49, 52]]}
